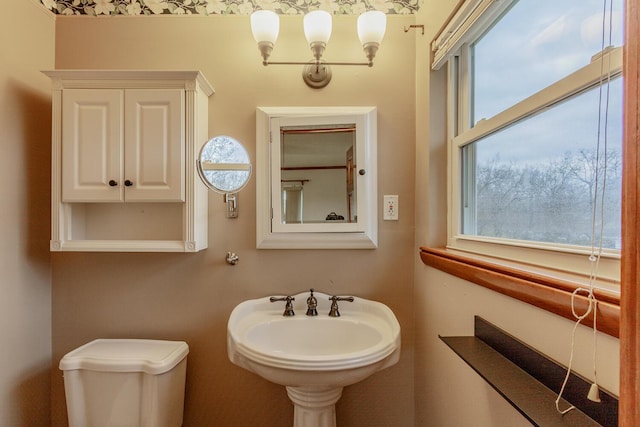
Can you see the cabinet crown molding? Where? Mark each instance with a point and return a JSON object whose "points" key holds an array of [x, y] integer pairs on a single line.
{"points": [[139, 79]]}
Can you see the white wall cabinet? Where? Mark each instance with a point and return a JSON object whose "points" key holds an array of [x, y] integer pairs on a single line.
{"points": [[124, 149]]}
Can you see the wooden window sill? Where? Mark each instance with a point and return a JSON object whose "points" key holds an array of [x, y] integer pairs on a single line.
{"points": [[543, 291]]}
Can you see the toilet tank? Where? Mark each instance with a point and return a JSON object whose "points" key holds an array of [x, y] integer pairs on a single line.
{"points": [[125, 383]]}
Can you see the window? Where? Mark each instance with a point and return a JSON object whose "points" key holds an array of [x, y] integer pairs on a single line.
{"points": [[541, 187], [527, 108]]}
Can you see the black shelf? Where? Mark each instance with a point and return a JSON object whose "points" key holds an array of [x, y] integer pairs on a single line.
{"points": [[530, 381]]}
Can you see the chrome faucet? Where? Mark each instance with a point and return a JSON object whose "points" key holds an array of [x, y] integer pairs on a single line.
{"points": [[312, 304], [333, 311], [288, 307]]}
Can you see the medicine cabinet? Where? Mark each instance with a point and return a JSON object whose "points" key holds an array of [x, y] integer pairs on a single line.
{"points": [[316, 177]]}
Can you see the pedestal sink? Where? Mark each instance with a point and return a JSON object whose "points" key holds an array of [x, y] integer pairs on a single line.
{"points": [[314, 357]]}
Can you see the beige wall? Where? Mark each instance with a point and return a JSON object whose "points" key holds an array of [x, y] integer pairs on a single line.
{"points": [[447, 391], [25, 277], [190, 296]]}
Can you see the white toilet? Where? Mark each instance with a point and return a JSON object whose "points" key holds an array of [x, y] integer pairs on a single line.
{"points": [[125, 383]]}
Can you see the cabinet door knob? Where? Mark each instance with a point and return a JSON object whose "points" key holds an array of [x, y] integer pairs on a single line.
{"points": [[112, 183], [128, 183]]}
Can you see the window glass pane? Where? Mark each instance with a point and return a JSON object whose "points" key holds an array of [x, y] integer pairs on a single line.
{"points": [[535, 180], [535, 44]]}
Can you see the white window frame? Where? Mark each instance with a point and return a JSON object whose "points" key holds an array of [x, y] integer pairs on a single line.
{"points": [[571, 262]]}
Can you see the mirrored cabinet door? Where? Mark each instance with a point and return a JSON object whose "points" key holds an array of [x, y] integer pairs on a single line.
{"points": [[316, 177]]}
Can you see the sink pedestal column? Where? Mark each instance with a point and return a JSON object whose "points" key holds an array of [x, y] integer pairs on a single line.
{"points": [[314, 406]]}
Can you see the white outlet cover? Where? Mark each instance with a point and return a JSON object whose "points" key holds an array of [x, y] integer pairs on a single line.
{"points": [[390, 208]]}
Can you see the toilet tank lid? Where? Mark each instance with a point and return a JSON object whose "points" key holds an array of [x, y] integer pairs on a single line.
{"points": [[126, 355]]}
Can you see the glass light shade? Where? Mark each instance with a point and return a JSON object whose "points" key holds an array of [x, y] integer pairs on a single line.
{"points": [[317, 26], [371, 27], [265, 26]]}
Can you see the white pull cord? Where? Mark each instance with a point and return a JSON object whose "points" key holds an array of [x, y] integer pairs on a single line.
{"points": [[594, 257], [593, 302]]}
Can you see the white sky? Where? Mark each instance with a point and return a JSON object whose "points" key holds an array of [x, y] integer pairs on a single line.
{"points": [[531, 48]]}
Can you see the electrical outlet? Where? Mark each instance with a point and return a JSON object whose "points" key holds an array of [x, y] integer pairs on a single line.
{"points": [[390, 208]]}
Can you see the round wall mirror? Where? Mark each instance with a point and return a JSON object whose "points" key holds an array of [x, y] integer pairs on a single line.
{"points": [[224, 165]]}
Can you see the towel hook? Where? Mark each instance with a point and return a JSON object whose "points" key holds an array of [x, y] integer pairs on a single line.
{"points": [[406, 29]]}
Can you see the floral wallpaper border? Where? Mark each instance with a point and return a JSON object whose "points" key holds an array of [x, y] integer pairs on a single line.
{"points": [[225, 7]]}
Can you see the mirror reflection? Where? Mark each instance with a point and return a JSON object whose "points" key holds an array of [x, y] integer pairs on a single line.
{"points": [[317, 173], [224, 165]]}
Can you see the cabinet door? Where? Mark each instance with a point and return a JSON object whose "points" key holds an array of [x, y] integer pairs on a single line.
{"points": [[155, 145], [92, 141]]}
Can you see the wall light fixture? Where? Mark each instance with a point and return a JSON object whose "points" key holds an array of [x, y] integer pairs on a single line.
{"points": [[265, 26]]}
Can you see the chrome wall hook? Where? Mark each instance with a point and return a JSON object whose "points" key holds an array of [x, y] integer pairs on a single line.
{"points": [[232, 258]]}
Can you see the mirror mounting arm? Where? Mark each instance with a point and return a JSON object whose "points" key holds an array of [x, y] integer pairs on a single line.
{"points": [[232, 204]]}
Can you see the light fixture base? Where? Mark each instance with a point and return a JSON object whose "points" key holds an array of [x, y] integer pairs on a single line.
{"points": [[265, 50], [370, 50], [316, 74]]}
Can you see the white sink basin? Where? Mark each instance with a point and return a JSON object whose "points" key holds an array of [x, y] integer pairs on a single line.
{"points": [[313, 356], [315, 338]]}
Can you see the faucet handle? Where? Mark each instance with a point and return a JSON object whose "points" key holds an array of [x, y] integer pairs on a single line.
{"points": [[288, 307], [312, 304], [334, 312]]}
